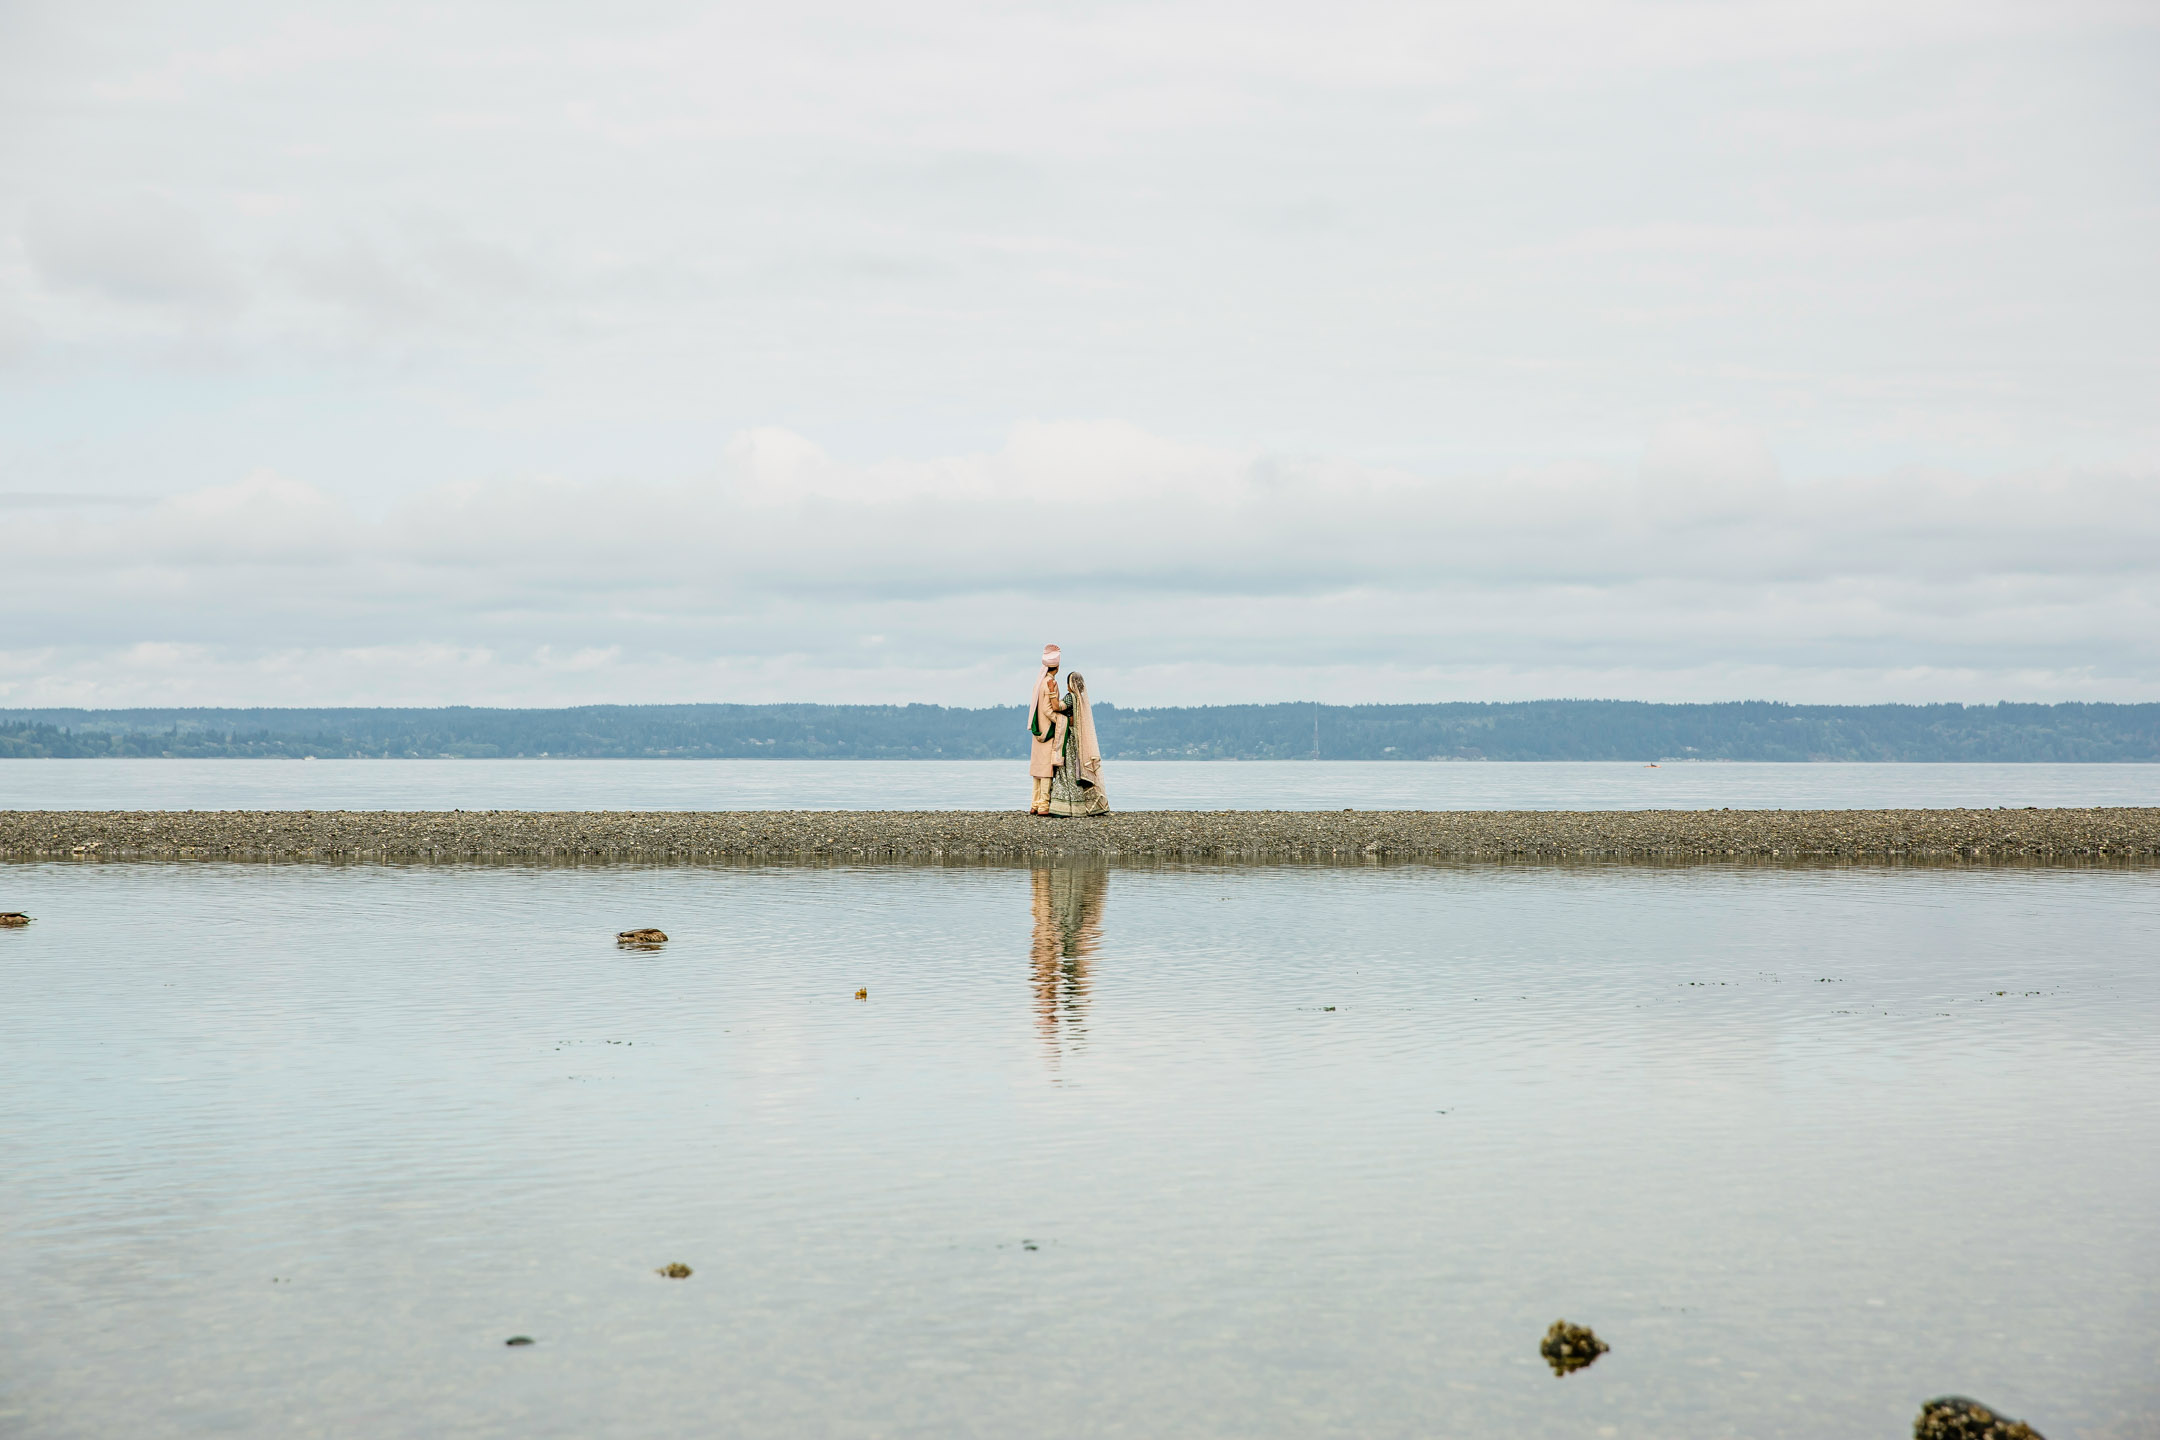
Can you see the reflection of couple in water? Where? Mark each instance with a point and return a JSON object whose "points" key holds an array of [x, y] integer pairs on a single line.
{"points": [[1064, 761], [1068, 932]]}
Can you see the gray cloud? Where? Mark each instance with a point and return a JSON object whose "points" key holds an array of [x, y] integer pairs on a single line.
{"points": [[130, 249]]}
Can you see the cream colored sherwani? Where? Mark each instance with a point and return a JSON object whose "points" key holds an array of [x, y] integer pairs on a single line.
{"points": [[1046, 737]]}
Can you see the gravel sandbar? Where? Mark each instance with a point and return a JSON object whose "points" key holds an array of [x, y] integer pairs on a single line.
{"points": [[1152, 835]]}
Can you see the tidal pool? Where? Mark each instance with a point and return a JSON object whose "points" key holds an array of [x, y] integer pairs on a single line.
{"points": [[1272, 1151]]}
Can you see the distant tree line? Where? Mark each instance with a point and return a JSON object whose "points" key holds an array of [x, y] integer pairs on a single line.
{"points": [[1640, 731], [1535, 730], [694, 732]]}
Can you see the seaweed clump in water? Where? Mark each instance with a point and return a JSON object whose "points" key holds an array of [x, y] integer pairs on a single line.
{"points": [[1568, 1348], [1953, 1417], [645, 939], [674, 1270]]}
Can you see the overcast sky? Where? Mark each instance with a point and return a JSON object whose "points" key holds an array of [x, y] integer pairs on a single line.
{"points": [[552, 353]]}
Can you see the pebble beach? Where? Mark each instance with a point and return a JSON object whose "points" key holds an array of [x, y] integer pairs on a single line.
{"points": [[2053, 835]]}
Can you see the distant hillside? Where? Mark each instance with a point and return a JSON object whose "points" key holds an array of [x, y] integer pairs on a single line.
{"points": [[1536, 730]]}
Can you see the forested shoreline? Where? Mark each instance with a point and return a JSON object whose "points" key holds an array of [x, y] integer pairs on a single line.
{"points": [[1532, 730]]}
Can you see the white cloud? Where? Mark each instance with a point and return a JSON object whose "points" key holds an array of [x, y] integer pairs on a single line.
{"points": [[1174, 573], [1700, 469], [265, 519]]}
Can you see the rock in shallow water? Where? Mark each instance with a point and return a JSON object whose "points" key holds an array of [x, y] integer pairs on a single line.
{"points": [[11, 919], [641, 939], [674, 1270], [1953, 1417], [1567, 1348]]}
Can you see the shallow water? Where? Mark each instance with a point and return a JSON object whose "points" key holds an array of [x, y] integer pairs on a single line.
{"points": [[1003, 785], [291, 1150]]}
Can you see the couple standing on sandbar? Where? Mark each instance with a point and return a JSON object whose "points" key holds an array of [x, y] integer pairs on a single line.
{"points": [[1063, 758]]}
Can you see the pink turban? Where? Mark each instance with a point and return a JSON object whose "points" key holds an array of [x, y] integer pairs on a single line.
{"points": [[1052, 655]]}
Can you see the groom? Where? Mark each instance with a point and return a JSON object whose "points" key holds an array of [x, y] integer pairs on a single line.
{"points": [[1046, 731]]}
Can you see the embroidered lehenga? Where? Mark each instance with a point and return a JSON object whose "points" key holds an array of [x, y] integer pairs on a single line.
{"points": [[1076, 786]]}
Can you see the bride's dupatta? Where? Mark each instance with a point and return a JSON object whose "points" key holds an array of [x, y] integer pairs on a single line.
{"points": [[1085, 749]]}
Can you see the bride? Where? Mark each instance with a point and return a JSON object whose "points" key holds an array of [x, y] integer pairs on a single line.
{"points": [[1076, 786]]}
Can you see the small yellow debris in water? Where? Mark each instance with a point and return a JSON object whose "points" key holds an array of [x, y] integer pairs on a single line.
{"points": [[862, 994], [674, 1270]]}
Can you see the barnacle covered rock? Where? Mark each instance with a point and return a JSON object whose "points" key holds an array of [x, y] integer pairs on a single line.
{"points": [[1953, 1417], [1567, 1348]]}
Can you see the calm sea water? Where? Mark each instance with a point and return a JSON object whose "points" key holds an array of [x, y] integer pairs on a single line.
{"points": [[291, 1150], [1001, 785]]}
